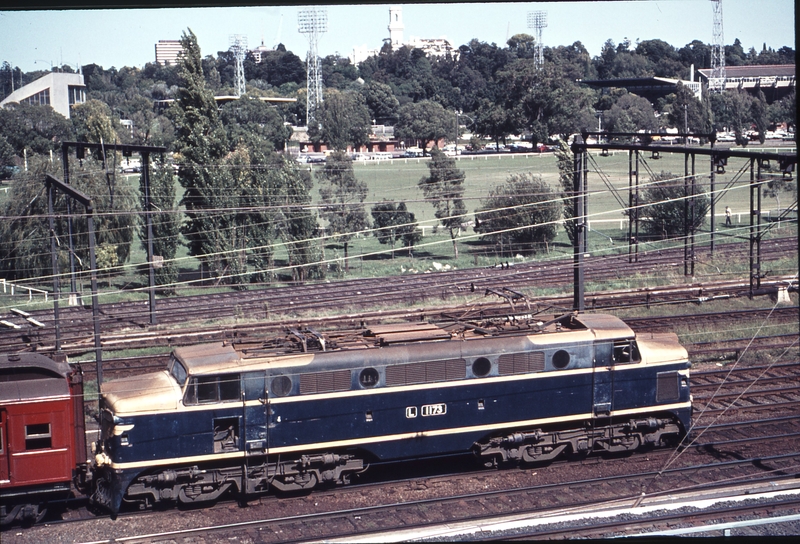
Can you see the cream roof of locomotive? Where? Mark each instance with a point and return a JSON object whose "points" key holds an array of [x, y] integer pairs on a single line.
{"points": [[661, 347], [144, 393], [220, 359], [605, 326]]}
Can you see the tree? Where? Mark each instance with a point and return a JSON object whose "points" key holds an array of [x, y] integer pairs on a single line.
{"points": [[203, 145], [566, 177], [444, 189], [758, 112], [424, 122], [39, 129], [342, 198], [165, 221], [381, 101], [784, 110], [523, 212], [94, 123], [666, 208], [344, 120], [25, 233], [254, 122], [393, 222], [630, 113]]}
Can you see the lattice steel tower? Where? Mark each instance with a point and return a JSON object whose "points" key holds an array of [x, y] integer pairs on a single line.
{"points": [[538, 20], [313, 22], [238, 47], [717, 79]]}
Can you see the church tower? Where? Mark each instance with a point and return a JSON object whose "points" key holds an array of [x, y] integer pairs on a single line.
{"points": [[396, 26]]}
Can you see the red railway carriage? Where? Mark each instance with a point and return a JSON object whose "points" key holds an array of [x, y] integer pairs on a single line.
{"points": [[42, 435]]}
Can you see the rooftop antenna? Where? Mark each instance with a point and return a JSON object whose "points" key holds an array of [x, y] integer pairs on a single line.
{"points": [[538, 20], [717, 80], [278, 34], [313, 22], [239, 49]]}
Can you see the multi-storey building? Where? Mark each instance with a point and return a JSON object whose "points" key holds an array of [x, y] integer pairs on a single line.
{"points": [[58, 90]]}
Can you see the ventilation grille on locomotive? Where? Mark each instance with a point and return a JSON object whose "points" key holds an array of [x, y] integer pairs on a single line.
{"points": [[520, 363], [325, 382], [667, 386], [426, 372]]}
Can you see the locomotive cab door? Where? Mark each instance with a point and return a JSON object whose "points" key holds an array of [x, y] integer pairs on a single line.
{"points": [[255, 413], [603, 380], [5, 476]]}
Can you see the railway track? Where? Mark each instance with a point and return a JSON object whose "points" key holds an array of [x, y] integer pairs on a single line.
{"points": [[718, 455], [270, 303]]}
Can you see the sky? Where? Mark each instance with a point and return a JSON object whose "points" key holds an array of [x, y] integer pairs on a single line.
{"points": [[38, 39]]}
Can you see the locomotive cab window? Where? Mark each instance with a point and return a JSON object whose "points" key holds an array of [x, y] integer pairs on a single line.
{"points": [[626, 351], [38, 437], [177, 371], [211, 389]]}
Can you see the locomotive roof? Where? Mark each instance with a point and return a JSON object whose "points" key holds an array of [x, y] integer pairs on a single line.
{"points": [[29, 376], [224, 358]]}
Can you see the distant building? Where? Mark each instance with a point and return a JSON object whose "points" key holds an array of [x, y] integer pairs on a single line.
{"points": [[58, 90], [259, 52], [168, 52], [434, 47], [775, 80]]}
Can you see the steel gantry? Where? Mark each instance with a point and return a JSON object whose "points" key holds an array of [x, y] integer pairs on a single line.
{"points": [[757, 162]]}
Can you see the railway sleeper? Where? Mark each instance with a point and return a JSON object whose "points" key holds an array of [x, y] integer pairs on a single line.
{"points": [[544, 445]]}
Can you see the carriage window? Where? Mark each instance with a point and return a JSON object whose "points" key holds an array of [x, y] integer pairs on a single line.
{"points": [[229, 388], [37, 437], [1, 441]]}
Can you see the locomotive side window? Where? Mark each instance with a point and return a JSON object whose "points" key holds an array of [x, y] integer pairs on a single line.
{"points": [[481, 367], [281, 386], [561, 359], [368, 377], [210, 389], [38, 437]]}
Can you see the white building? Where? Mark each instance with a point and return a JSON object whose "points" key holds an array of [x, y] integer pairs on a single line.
{"points": [[434, 47], [168, 52], [56, 89]]}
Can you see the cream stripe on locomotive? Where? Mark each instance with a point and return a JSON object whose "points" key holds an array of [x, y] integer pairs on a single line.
{"points": [[393, 437], [404, 388]]}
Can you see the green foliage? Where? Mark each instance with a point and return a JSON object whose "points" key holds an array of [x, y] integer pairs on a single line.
{"points": [[25, 235], [630, 113], [93, 123], [165, 220], [344, 120], [255, 123], [566, 178], [393, 222], [424, 122], [519, 215], [39, 129], [342, 196], [667, 207], [444, 189]]}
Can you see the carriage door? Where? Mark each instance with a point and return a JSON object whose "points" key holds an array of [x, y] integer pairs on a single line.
{"points": [[4, 467], [603, 379], [255, 413]]}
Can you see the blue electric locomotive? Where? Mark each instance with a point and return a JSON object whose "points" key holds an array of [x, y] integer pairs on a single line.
{"points": [[220, 419]]}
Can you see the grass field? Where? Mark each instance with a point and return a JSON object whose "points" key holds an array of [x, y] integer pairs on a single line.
{"points": [[397, 180]]}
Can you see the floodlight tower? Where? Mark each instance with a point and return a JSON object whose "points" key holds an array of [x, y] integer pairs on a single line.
{"points": [[313, 22], [717, 79], [238, 47], [538, 20]]}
